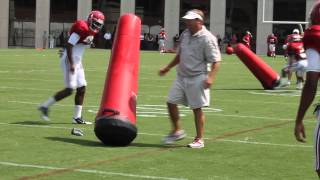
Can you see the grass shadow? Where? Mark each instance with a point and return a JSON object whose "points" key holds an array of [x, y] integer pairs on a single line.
{"points": [[37, 123], [83, 142], [156, 145]]}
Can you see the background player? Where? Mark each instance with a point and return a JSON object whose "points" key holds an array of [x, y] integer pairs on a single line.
{"points": [[81, 36], [162, 40], [272, 40], [296, 60], [246, 40]]}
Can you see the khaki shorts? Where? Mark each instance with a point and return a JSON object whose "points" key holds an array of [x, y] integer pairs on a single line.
{"points": [[189, 91]]}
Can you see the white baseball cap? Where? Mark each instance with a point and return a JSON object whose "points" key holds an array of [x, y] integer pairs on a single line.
{"points": [[192, 15]]}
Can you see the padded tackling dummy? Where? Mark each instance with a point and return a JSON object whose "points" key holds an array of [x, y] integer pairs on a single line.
{"points": [[229, 50], [262, 71], [116, 119]]}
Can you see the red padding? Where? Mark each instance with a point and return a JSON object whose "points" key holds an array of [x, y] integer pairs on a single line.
{"points": [[262, 71], [121, 84]]}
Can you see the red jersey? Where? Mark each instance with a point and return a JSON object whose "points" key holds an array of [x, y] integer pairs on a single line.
{"points": [[81, 27], [296, 49], [311, 37], [162, 35], [292, 37], [272, 39], [246, 40]]}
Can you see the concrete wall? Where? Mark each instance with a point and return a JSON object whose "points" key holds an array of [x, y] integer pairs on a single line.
{"points": [[263, 29], [309, 5], [42, 23], [84, 8], [127, 6], [218, 17], [171, 20], [4, 23]]}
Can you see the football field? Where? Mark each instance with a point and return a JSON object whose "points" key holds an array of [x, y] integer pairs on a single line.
{"points": [[248, 130]]}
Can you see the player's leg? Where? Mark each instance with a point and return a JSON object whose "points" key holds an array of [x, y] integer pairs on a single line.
{"points": [[199, 122], [176, 96], [197, 99], [69, 81], [317, 147], [285, 71], [174, 117], [79, 97], [300, 72]]}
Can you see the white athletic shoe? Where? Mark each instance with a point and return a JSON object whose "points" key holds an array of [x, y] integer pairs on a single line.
{"points": [[197, 143], [80, 121], [299, 86], [283, 83], [169, 139], [44, 113]]}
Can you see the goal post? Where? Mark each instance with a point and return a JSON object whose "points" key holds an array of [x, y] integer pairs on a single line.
{"points": [[278, 22]]}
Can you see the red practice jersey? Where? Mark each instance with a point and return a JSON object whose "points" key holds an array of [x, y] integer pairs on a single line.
{"points": [[272, 39], [296, 49], [162, 35], [82, 29], [311, 38], [247, 40]]}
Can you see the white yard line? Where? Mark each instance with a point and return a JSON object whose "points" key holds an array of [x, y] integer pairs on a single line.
{"points": [[265, 143], [92, 171], [212, 110]]}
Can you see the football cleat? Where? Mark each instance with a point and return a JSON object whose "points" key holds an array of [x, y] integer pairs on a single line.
{"points": [[44, 113], [80, 121], [76, 132]]}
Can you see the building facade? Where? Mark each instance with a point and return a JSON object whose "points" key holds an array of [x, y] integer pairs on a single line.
{"points": [[35, 23]]}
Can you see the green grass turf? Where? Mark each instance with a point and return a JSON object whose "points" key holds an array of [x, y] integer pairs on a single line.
{"points": [[251, 138]]}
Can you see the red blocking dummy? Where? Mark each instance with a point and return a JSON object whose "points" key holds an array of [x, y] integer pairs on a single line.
{"points": [[262, 71], [116, 119], [229, 50]]}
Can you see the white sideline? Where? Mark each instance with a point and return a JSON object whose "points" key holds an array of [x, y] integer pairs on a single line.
{"points": [[89, 171]]}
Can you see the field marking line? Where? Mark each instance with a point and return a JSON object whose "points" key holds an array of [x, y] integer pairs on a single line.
{"points": [[212, 114], [160, 96], [265, 143], [257, 129], [54, 172], [147, 152], [31, 79], [89, 171]]}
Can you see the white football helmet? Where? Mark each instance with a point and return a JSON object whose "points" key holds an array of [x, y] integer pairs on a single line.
{"points": [[296, 31], [96, 21]]}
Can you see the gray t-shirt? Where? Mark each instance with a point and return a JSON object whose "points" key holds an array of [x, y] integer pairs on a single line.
{"points": [[196, 51]]}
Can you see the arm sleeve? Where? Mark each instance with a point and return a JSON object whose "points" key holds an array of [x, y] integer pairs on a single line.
{"points": [[212, 51], [74, 38]]}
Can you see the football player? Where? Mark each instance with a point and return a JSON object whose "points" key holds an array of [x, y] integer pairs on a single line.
{"points": [[81, 36], [246, 40], [272, 40], [162, 39], [312, 45], [296, 60]]}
